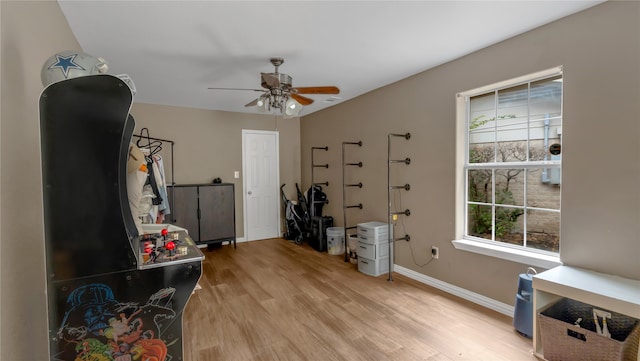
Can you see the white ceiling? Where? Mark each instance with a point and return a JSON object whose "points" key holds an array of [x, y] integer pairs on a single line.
{"points": [[175, 50]]}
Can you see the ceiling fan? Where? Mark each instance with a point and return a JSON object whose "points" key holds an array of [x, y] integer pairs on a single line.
{"points": [[278, 92]]}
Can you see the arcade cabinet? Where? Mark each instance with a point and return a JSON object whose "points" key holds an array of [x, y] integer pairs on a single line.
{"points": [[113, 294]]}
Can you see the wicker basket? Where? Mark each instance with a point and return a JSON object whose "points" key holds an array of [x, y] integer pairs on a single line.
{"points": [[564, 341]]}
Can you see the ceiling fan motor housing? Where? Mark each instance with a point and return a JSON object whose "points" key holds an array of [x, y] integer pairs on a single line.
{"points": [[283, 79]]}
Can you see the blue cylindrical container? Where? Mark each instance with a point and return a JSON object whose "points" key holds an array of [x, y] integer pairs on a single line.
{"points": [[523, 313]]}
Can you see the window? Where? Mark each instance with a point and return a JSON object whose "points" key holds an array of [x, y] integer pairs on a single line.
{"points": [[512, 165]]}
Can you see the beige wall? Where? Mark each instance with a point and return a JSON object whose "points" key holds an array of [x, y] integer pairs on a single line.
{"points": [[600, 51], [31, 32], [208, 144]]}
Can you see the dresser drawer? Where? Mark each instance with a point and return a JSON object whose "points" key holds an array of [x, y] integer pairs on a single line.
{"points": [[374, 232], [373, 267], [373, 251]]}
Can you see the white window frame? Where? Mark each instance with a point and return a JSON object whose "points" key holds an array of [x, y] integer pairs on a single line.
{"points": [[490, 248]]}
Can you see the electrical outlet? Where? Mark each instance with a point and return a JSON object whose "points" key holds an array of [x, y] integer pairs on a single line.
{"points": [[435, 252]]}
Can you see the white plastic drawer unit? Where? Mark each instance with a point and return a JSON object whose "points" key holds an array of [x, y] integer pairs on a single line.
{"points": [[373, 251], [373, 267], [374, 232]]}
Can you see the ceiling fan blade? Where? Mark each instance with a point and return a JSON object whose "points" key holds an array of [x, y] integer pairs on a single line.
{"points": [[302, 100], [253, 103], [270, 80], [255, 90], [317, 90]]}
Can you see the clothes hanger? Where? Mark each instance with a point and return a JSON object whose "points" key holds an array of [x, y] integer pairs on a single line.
{"points": [[155, 147], [142, 137]]}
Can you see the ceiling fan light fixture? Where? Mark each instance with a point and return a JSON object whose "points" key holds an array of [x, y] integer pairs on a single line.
{"points": [[262, 104], [292, 108]]}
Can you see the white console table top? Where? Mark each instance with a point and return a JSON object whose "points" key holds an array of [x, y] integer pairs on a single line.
{"points": [[613, 292]]}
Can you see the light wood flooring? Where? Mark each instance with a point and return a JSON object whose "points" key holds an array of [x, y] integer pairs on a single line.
{"points": [[275, 300]]}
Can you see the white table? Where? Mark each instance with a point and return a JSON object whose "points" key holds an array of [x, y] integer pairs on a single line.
{"points": [[613, 293]]}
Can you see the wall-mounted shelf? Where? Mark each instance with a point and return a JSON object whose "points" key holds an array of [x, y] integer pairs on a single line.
{"points": [[312, 201], [345, 186], [394, 214]]}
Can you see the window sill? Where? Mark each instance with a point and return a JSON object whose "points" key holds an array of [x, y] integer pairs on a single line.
{"points": [[509, 254]]}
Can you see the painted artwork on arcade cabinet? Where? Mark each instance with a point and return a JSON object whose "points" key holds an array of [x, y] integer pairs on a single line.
{"points": [[98, 327]]}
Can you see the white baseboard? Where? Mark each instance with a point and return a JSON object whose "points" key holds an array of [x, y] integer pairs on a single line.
{"points": [[476, 298]]}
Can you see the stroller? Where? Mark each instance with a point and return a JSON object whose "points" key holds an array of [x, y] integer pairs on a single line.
{"points": [[304, 208], [294, 218]]}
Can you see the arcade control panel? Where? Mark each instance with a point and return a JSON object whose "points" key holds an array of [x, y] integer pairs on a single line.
{"points": [[165, 247]]}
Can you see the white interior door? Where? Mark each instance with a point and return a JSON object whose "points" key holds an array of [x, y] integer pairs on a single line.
{"points": [[260, 163]]}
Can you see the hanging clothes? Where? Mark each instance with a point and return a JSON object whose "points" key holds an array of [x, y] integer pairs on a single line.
{"points": [[154, 200], [163, 207], [151, 190], [154, 179], [136, 177]]}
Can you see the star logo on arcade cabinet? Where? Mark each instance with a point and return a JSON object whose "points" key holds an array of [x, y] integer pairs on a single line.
{"points": [[65, 63]]}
